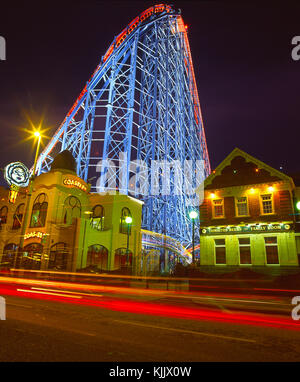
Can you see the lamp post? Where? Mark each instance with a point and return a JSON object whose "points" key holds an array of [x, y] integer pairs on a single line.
{"points": [[128, 221], [88, 215], [193, 216], [38, 135]]}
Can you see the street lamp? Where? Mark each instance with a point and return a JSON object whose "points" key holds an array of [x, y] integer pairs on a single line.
{"points": [[193, 216], [128, 221], [298, 206], [87, 216], [36, 134]]}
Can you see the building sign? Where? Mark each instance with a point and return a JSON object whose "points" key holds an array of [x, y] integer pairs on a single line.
{"points": [[13, 193], [16, 174], [74, 183], [250, 228], [39, 235]]}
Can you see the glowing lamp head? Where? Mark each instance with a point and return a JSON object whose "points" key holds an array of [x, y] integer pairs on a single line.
{"points": [[212, 195], [37, 134], [271, 189], [252, 190], [193, 215], [128, 220], [298, 205]]}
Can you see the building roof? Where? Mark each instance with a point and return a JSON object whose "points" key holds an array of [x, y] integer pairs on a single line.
{"points": [[64, 161], [253, 171]]}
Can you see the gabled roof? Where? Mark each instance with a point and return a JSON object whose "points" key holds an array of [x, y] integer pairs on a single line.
{"points": [[248, 158]]}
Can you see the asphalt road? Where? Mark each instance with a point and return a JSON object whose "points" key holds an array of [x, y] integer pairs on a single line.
{"points": [[56, 324]]}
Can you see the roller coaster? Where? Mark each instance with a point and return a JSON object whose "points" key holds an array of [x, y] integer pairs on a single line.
{"points": [[142, 102]]}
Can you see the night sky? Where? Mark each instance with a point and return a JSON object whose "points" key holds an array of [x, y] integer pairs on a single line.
{"points": [[248, 83]]}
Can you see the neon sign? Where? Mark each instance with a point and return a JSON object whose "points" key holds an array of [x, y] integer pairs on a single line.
{"points": [[74, 183], [247, 228], [39, 235], [16, 174]]}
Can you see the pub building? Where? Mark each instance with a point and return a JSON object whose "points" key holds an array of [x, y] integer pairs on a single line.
{"points": [[248, 216], [68, 228]]}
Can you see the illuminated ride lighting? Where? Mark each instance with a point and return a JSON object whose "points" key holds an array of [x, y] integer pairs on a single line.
{"points": [[76, 133], [131, 26]]}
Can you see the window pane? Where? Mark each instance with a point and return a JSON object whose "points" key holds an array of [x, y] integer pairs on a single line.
{"points": [[272, 254], [242, 208], [218, 211], [219, 241], [220, 255], [244, 240], [245, 255], [271, 240], [267, 203]]}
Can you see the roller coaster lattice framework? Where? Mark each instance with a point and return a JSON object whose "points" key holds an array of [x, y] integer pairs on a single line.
{"points": [[141, 101]]}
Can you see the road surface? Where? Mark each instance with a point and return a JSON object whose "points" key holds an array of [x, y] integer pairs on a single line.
{"points": [[48, 321]]}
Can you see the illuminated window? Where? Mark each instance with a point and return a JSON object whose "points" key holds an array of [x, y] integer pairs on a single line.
{"points": [[220, 251], [267, 203], [218, 208], [39, 211], [9, 253], [3, 215], [71, 210], [58, 257], [245, 250], [97, 219], [18, 216], [97, 255], [121, 258], [32, 256], [123, 225], [242, 206], [271, 250]]}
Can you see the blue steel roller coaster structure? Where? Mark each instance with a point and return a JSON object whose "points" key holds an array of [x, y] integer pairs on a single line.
{"points": [[141, 101]]}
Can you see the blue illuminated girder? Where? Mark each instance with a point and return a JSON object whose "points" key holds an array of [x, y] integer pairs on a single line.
{"points": [[141, 101]]}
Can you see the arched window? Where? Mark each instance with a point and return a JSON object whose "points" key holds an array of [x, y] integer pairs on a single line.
{"points": [[9, 253], [97, 219], [58, 256], [121, 258], [123, 225], [18, 216], [97, 255], [3, 215], [72, 209], [32, 256], [39, 211]]}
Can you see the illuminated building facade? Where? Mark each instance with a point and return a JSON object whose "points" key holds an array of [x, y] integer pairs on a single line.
{"points": [[248, 217], [68, 227]]}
